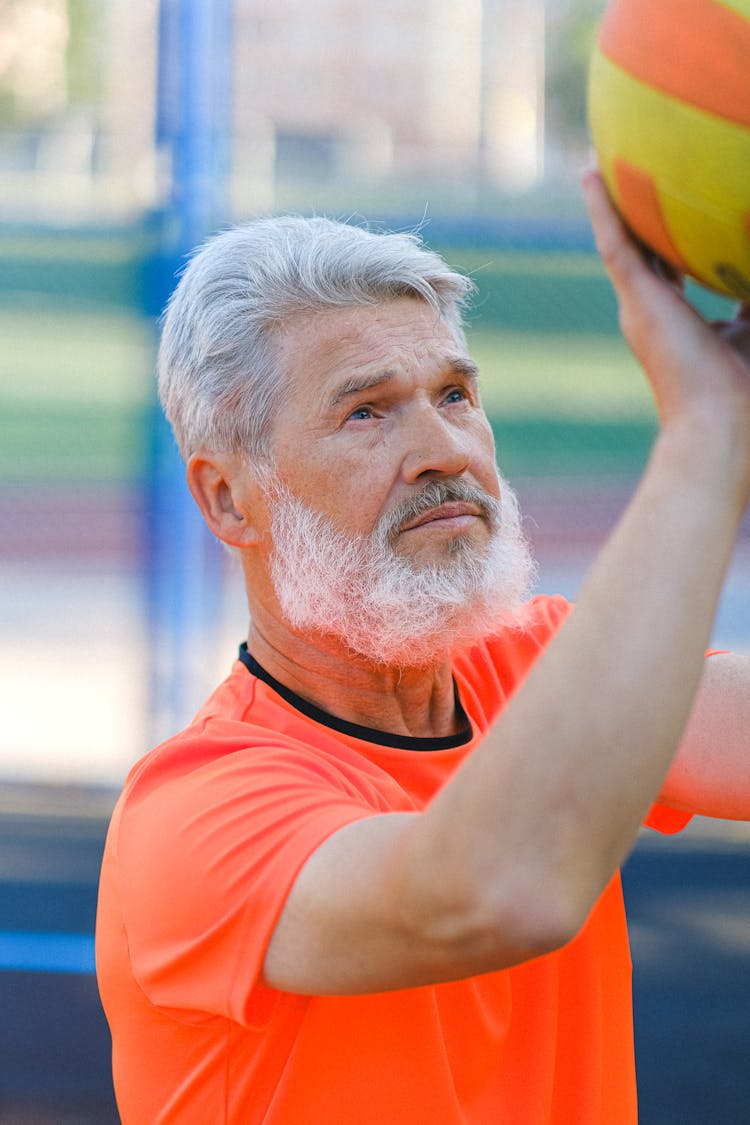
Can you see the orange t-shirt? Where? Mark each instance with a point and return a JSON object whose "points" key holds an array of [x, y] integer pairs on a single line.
{"points": [[204, 846]]}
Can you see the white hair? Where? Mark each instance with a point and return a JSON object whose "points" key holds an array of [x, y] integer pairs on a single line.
{"points": [[219, 381]]}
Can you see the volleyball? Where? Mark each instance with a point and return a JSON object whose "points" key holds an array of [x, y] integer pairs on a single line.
{"points": [[669, 113]]}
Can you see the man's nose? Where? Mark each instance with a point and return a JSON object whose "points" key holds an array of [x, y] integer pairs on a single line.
{"points": [[434, 447]]}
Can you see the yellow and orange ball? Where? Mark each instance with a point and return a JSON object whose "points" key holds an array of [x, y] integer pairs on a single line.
{"points": [[669, 111]]}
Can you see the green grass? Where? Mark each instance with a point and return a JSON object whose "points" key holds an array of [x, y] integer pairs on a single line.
{"points": [[71, 444], [588, 376], [73, 390], [49, 356], [570, 405]]}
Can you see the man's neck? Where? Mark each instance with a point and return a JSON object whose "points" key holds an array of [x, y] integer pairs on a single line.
{"points": [[416, 702]]}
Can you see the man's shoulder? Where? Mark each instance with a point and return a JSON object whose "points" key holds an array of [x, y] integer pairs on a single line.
{"points": [[225, 726], [246, 737]]}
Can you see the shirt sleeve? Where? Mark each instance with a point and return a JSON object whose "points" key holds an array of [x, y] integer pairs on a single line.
{"points": [[206, 864], [665, 820]]}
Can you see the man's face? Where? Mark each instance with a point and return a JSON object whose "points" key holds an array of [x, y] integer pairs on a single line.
{"points": [[382, 401], [386, 523]]}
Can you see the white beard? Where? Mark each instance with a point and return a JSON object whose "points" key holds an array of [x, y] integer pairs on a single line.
{"points": [[384, 607]]}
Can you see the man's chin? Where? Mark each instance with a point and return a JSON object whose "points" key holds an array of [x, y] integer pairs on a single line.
{"points": [[404, 645], [439, 545]]}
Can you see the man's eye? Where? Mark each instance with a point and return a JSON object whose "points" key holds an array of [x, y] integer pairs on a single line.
{"points": [[360, 414], [455, 395]]}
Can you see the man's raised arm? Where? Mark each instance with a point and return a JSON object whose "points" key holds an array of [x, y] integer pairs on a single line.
{"points": [[509, 857]]}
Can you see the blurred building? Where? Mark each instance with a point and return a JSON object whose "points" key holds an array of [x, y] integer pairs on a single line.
{"points": [[331, 93], [354, 88], [77, 98], [404, 88]]}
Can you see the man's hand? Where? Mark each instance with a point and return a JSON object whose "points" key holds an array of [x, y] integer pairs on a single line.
{"points": [[694, 368], [737, 332]]}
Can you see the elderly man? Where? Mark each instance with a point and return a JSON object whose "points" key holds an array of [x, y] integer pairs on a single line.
{"points": [[376, 879]]}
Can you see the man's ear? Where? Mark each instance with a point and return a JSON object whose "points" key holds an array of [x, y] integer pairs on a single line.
{"points": [[222, 492]]}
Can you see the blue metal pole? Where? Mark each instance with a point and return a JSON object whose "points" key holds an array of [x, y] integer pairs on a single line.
{"points": [[182, 561]]}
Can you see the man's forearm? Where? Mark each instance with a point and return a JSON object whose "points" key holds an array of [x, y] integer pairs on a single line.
{"points": [[554, 797], [508, 858]]}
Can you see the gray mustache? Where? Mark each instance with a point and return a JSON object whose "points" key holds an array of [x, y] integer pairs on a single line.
{"points": [[433, 495]]}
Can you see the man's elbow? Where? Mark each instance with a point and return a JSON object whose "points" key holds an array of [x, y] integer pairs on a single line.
{"points": [[505, 924], [539, 918]]}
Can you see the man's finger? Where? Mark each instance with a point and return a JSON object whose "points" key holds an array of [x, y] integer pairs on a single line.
{"points": [[616, 248]]}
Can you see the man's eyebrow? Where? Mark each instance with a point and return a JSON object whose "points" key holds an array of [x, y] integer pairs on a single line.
{"points": [[458, 365], [355, 386], [462, 365]]}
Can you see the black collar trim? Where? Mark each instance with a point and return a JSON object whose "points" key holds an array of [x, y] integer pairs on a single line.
{"points": [[365, 734]]}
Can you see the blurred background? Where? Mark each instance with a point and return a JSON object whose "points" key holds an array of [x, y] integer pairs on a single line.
{"points": [[131, 129]]}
